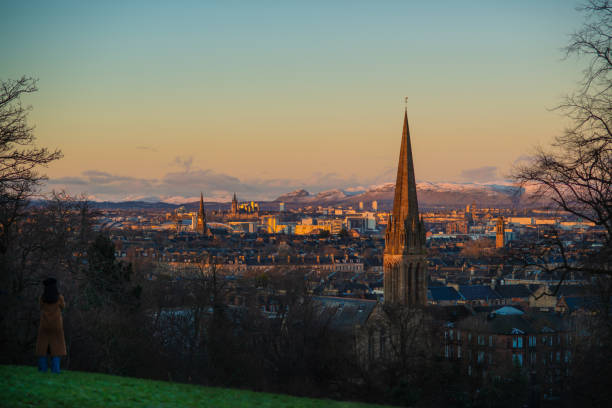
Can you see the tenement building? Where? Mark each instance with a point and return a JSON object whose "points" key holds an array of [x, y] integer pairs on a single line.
{"points": [[404, 260]]}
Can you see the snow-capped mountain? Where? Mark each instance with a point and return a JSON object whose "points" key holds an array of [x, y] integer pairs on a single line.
{"points": [[501, 194], [296, 195], [430, 195]]}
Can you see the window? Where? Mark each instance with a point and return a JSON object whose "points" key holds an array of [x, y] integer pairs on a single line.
{"points": [[490, 341], [481, 340], [458, 335], [469, 337], [490, 358], [518, 359], [558, 356], [458, 352], [481, 356], [469, 370], [550, 340], [543, 339], [450, 334], [446, 353], [517, 342], [532, 341], [568, 356]]}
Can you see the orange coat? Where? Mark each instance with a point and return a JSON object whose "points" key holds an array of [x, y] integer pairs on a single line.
{"points": [[51, 329]]}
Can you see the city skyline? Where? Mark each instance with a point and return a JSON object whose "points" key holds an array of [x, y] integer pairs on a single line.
{"points": [[164, 101]]}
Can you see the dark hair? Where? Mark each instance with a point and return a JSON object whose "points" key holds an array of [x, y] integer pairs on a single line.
{"points": [[50, 295]]}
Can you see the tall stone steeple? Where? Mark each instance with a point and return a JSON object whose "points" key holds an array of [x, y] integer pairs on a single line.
{"points": [[404, 261], [202, 227]]}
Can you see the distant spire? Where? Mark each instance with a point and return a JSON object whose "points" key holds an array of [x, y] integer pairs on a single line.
{"points": [[234, 205], [404, 232], [202, 227]]}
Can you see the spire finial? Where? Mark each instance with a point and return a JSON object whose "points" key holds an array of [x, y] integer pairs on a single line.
{"points": [[406, 103]]}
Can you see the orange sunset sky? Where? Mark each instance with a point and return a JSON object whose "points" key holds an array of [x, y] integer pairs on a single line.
{"points": [[167, 99]]}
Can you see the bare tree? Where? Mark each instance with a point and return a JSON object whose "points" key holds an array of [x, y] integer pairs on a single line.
{"points": [[19, 158], [576, 171], [576, 174]]}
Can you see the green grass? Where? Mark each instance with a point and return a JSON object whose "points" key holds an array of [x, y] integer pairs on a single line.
{"points": [[22, 386]]}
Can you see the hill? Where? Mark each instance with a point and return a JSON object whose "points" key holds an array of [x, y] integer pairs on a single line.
{"points": [[501, 194], [22, 386]]}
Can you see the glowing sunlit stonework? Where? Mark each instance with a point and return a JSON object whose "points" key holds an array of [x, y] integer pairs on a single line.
{"points": [[405, 263]]}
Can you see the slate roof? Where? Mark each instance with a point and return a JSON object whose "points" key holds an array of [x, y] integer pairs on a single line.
{"points": [[347, 312], [443, 293], [513, 291], [569, 290], [478, 292], [507, 311], [528, 323], [452, 313], [492, 308], [581, 302]]}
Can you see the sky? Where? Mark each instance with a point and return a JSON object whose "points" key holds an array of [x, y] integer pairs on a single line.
{"points": [[160, 99]]}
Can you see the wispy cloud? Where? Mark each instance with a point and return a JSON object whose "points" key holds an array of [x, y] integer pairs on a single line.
{"points": [[183, 162], [187, 182]]}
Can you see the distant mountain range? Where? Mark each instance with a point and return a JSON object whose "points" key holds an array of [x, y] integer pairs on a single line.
{"points": [[500, 194], [431, 195]]}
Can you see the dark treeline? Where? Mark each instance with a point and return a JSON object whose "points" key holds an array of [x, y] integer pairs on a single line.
{"points": [[119, 321]]}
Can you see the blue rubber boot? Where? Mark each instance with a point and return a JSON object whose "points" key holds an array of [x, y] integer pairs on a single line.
{"points": [[55, 365], [42, 364]]}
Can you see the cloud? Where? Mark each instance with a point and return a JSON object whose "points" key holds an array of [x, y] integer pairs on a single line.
{"points": [[183, 161], [522, 160], [187, 182], [480, 174]]}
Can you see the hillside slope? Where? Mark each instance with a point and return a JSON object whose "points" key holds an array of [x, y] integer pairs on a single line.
{"points": [[22, 386]]}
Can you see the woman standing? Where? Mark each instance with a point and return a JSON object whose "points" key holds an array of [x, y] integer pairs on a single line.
{"points": [[51, 329]]}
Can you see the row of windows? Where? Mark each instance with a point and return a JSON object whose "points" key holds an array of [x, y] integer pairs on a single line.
{"points": [[449, 353], [517, 341], [550, 340], [456, 335], [517, 358]]}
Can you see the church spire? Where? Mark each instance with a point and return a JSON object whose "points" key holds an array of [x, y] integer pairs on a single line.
{"points": [[202, 227], [405, 256], [404, 232], [234, 205]]}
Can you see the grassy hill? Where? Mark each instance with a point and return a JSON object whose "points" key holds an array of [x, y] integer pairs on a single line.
{"points": [[22, 386]]}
